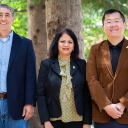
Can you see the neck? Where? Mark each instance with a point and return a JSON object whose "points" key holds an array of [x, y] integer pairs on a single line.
{"points": [[4, 34], [65, 57], [115, 41]]}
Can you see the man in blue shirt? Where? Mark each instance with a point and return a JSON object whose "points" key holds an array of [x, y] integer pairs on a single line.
{"points": [[17, 74]]}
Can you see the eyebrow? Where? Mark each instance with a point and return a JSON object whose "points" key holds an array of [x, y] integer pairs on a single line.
{"points": [[64, 39], [114, 19], [5, 13]]}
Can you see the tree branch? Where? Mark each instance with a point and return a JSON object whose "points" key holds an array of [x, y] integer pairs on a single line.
{"points": [[21, 10]]}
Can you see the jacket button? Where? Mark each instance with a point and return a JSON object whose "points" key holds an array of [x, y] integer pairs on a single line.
{"points": [[74, 86], [114, 81]]}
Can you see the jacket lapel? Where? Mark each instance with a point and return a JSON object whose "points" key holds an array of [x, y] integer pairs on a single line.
{"points": [[15, 45], [123, 55], [73, 67], [106, 55], [55, 66]]}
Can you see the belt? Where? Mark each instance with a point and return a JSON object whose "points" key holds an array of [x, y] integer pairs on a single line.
{"points": [[3, 95]]}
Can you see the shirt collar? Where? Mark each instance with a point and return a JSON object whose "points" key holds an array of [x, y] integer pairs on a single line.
{"points": [[118, 45], [9, 37]]}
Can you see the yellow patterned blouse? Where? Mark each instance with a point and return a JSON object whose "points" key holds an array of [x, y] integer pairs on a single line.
{"points": [[67, 102]]}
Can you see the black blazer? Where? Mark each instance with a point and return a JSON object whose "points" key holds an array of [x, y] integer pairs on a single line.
{"points": [[48, 90], [21, 76]]}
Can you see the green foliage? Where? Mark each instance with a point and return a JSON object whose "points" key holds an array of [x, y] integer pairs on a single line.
{"points": [[92, 16], [92, 29], [36, 1], [106, 4], [20, 23]]}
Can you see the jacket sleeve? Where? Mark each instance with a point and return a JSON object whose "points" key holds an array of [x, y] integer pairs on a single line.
{"points": [[124, 100], [40, 93], [87, 117], [97, 92], [30, 75]]}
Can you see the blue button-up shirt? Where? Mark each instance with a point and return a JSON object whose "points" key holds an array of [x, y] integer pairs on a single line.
{"points": [[5, 49]]}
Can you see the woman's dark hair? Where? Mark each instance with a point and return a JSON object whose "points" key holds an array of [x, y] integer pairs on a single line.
{"points": [[110, 11], [53, 51]]}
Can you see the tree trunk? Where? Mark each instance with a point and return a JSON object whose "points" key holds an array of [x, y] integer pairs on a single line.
{"points": [[37, 33], [37, 29], [42, 29], [64, 13]]}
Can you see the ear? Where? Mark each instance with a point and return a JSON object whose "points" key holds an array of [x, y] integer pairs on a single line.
{"points": [[125, 25], [12, 20], [103, 27]]}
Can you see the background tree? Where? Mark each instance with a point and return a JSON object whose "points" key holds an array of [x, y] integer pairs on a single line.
{"points": [[45, 17], [37, 29], [20, 23], [92, 12], [44, 20], [92, 15], [37, 32], [63, 13]]}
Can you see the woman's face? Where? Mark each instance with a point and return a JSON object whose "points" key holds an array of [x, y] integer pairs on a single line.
{"points": [[65, 45]]}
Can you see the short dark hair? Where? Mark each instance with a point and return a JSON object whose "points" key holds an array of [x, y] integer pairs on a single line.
{"points": [[8, 7], [53, 50], [110, 11]]}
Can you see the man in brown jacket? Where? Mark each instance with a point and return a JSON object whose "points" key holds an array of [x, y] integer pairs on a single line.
{"points": [[107, 74]]}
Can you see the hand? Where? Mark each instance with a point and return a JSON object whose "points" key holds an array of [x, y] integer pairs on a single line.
{"points": [[113, 110], [28, 111], [48, 124], [86, 126], [121, 107]]}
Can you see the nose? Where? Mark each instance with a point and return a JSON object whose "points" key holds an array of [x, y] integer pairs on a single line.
{"points": [[66, 44], [3, 17], [113, 24]]}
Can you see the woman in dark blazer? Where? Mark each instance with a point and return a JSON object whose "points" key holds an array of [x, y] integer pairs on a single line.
{"points": [[62, 93]]}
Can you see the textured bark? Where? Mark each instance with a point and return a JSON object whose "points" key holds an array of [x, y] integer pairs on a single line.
{"points": [[42, 29], [37, 33], [64, 13], [37, 29]]}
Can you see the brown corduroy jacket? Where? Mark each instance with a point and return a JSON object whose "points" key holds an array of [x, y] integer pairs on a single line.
{"points": [[105, 87]]}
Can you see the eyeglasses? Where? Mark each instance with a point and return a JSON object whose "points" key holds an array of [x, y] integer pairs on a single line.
{"points": [[111, 23]]}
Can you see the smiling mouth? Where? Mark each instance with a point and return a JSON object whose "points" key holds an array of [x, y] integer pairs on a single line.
{"points": [[3, 23], [114, 30], [66, 49]]}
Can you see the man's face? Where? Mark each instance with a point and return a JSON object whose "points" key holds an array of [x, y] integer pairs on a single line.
{"points": [[114, 26], [6, 20]]}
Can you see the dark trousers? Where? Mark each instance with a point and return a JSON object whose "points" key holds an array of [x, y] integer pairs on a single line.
{"points": [[60, 124], [111, 124]]}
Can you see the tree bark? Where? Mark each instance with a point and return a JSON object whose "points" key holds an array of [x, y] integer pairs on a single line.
{"points": [[43, 23], [64, 13], [37, 29], [37, 33]]}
